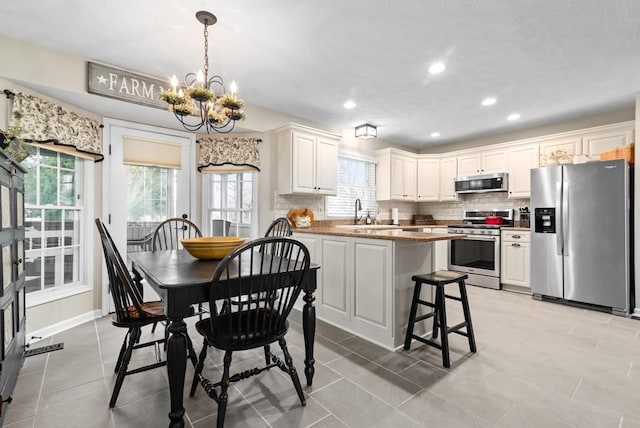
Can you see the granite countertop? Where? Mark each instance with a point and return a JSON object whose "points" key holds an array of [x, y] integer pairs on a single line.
{"points": [[523, 229], [393, 233]]}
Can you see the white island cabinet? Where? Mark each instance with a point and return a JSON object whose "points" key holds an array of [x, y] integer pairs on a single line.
{"points": [[364, 285]]}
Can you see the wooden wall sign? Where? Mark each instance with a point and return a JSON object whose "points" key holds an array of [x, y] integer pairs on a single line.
{"points": [[126, 86]]}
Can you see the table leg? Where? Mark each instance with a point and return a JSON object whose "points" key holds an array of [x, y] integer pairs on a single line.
{"points": [[309, 331], [176, 368]]}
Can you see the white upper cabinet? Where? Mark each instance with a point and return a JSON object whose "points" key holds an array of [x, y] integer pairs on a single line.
{"points": [[307, 161], [428, 179], [488, 162], [572, 145], [448, 174], [521, 160], [606, 139], [396, 175]]}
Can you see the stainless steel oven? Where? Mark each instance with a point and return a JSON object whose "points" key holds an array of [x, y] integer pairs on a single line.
{"points": [[478, 255]]}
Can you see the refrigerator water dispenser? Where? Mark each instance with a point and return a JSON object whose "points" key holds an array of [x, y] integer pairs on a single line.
{"points": [[545, 220]]}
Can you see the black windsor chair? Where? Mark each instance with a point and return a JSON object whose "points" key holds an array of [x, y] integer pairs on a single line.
{"points": [[131, 312], [273, 266]]}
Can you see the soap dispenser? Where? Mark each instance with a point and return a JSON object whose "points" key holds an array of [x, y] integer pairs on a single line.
{"points": [[368, 219]]}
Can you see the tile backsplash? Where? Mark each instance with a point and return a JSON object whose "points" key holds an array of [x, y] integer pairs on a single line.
{"points": [[471, 201], [439, 210]]}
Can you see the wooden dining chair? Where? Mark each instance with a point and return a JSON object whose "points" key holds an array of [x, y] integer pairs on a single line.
{"points": [[247, 272], [131, 312], [279, 227], [170, 232]]}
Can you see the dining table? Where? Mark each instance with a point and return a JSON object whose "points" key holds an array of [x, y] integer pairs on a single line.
{"points": [[182, 281]]}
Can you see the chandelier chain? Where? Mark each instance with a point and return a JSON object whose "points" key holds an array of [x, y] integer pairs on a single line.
{"points": [[206, 54]]}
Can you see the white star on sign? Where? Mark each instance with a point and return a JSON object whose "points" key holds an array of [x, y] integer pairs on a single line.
{"points": [[102, 80]]}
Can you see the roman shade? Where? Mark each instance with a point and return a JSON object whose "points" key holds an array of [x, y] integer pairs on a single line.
{"points": [[228, 154], [43, 122], [147, 152]]}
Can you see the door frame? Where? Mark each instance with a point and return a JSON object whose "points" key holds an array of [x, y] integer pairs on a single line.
{"points": [[112, 127]]}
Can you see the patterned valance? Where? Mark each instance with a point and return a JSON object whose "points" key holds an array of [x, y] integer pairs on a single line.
{"points": [[228, 154], [43, 122]]}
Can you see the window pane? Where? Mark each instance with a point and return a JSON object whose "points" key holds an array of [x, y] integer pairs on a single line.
{"points": [[53, 227], [30, 183], [48, 186], [67, 189], [217, 195], [68, 162], [247, 195], [33, 228], [71, 265], [356, 179], [49, 271], [71, 228], [47, 157], [147, 194], [32, 268], [232, 198]]}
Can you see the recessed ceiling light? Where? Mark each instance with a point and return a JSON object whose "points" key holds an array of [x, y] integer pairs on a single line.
{"points": [[488, 101], [435, 134], [349, 104], [513, 116], [436, 68]]}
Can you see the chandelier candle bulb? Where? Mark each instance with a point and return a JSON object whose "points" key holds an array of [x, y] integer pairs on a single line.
{"points": [[174, 83]]}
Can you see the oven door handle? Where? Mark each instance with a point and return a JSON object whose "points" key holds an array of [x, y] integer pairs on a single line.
{"points": [[479, 238]]}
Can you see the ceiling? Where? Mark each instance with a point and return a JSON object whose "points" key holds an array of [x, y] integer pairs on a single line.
{"points": [[546, 60]]}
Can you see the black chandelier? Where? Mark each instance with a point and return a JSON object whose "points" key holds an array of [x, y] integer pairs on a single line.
{"points": [[197, 105]]}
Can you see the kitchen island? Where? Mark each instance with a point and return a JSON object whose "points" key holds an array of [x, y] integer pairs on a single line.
{"points": [[364, 283]]}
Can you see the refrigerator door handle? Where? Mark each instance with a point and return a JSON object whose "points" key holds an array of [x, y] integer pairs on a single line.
{"points": [[559, 221], [565, 216]]}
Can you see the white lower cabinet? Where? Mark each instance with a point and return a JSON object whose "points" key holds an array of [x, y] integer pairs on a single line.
{"points": [[515, 264], [364, 285]]}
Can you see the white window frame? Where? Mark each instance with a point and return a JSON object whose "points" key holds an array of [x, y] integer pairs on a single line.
{"points": [[206, 205], [374, 206], [86, 186]]}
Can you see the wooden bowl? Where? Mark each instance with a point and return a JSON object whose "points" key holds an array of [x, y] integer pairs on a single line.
{"points": [[211, 247]]}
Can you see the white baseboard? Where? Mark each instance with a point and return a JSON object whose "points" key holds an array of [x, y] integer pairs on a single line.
{"points": [[49, 331], [636, 313]]}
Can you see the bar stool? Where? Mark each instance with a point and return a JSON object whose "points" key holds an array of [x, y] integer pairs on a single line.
{"points": [[439, 279]]}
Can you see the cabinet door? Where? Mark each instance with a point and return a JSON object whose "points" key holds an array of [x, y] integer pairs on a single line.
{"points": [[469, 164], [494, 162], [571, 145], [410, 178], [397, 177], [428, 186], [303, 163], [326, 166], [372, 287], [448, 174], [333, 297], [595, 143], [521, 160], [515, 264]]}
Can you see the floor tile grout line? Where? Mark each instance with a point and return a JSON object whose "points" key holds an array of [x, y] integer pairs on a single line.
{"points": [[252, 406], [411, 397], [575, 389], [39, 402]]}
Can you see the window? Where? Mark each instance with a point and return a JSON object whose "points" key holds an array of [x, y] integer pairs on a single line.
{"points": [[231, 203], [356, 179], [54, 218]]}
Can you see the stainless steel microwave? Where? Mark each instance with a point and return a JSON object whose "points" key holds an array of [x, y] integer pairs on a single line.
{"points": [[482, 183]]}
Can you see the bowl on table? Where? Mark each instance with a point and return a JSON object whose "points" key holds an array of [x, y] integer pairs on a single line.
{"points": [[211, 247]]}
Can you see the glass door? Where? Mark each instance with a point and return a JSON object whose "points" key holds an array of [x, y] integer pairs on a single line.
{"points": [[149, 177]]}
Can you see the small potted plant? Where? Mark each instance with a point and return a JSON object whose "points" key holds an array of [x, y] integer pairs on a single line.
{"points": [[172, 98], [183, 109], [217, 117], [13, 144], [233, 114], [200, 94], [230, 101]]}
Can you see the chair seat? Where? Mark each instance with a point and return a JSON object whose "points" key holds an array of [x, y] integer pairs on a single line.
{"points": [[242, 338], [151, 312], [440, 277]]}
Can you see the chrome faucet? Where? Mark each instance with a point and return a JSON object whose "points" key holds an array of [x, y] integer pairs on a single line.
{"points": [[356, 219]]}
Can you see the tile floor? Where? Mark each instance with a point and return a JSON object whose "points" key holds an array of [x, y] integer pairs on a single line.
{"points": [[538, 364]]}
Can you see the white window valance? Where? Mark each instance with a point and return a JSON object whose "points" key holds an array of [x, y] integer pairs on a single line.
{"points": [[228, 154], [43, 122]]}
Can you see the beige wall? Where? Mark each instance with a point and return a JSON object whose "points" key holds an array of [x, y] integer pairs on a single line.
{"points": [[588, 121]]}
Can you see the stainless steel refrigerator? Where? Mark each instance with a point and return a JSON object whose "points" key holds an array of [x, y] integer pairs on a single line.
{"points": [[580, 233]]}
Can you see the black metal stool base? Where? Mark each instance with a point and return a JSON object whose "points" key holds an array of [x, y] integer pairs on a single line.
{"points": [[439, 279]]}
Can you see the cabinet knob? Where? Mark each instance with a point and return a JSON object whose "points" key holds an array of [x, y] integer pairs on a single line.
{"points": [[17, 262], [516, 236], [515, 244]]}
